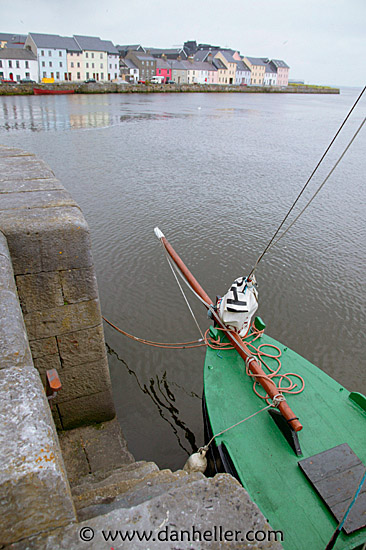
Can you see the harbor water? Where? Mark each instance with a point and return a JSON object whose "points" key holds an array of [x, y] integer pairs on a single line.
{"points": [[217, 173]]}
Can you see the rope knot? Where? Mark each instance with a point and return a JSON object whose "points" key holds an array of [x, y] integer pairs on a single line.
{"points": [[277, 399], [249, 359]]}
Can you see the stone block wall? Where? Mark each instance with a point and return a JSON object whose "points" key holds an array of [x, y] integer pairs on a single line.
{"points": [[35, 493], [50, 250]]}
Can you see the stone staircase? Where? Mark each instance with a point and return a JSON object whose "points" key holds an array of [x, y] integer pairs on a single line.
{"points": [[113, 493], [126, 487]]}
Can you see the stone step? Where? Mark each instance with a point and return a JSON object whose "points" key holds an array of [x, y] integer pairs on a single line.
{"points": [[150, 487], [192, 516], [135, 470], [94, 490]]}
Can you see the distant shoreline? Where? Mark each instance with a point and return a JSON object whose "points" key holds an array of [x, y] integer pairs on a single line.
{"points": [[111, 87]]}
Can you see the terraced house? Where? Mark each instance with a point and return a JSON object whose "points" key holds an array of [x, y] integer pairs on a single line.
{"points": [[18, 64], [257, 68], [145, 63], [230, 63], [100, 57], [50, 50]]}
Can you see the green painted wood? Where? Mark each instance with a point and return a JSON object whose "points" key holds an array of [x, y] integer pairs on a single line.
{"points": [[266, 464]]}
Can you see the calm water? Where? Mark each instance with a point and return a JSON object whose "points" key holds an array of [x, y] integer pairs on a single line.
{"points": [[217, 173]]}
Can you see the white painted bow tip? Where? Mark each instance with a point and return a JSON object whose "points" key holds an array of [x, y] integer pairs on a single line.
{"points": [[158, 233]]}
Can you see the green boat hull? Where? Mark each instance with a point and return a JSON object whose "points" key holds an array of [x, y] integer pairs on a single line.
{"points": [[264, 461]]}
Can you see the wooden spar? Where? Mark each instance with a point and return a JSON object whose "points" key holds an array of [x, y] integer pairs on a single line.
{"points": [[253, 365]]}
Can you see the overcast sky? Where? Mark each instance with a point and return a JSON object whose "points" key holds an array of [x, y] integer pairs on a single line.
{"points": [[323, 41]]}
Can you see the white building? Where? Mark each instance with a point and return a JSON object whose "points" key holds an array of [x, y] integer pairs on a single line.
{"points": [[270, 75], [242, 74], [50, 50], [18, 64]]}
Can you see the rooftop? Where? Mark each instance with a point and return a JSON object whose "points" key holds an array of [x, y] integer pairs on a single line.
{"points": [[17, 53]]}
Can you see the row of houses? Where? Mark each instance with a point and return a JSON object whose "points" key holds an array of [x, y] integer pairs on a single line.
{"points": [[205, 66], [57, 58]]}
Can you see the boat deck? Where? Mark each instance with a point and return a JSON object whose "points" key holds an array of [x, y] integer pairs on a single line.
{"points": [[265, 462]]}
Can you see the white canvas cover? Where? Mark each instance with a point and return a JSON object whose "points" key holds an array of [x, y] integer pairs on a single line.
{"points": [[239, 304]]}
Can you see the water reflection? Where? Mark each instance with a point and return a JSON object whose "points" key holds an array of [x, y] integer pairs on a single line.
{"points": [[53, 113], [77, 112], [161, 395]]}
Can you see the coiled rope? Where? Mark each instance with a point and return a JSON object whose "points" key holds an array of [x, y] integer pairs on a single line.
{"points": [[257, 353]]}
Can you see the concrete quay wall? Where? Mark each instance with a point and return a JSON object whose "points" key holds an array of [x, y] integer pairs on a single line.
{"points": [[113, 87], [50, 251]]}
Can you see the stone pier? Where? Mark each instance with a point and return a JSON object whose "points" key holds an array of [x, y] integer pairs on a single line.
{"points": [[50, 250]]}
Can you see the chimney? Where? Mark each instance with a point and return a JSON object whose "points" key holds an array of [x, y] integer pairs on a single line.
{"points": [[163, 56], [191, 59]]}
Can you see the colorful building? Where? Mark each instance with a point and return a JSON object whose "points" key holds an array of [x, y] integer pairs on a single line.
{"points": [[282, 72], [18, 64], [257, 68], [97, 56], [164, 68], [230, 63], [50, 50]]}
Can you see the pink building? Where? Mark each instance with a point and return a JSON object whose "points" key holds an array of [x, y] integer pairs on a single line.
{"points": [[164, 68], [282, 72]]}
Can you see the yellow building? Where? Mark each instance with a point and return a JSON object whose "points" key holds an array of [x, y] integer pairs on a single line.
{"points": [[258, 69], [229, 62], [96, 54]]}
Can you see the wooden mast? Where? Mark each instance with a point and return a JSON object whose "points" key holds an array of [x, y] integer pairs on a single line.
{"points": [[253, 365]]}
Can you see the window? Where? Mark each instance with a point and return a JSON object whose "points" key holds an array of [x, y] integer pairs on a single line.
{"points": [[18, 77], [1, 63], [17, 64], [52, 75], [71, 53], [10, 64], [101, 56], [60, 53], [44, 74], [102, 76], [92, 55], [92, 65], [78, 65], [50, 63], [60, 63], [87, 65], [49, 53], [101, 65], [43, 63], [58, 76], [27, 64], [27, 75], [42, 52], [87, 75], [72, 65], [78, 76], [86, 54]]}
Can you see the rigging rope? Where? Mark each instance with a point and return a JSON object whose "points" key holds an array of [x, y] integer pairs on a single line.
{"points": [[166, 345], [182, 291], [269, 245]]}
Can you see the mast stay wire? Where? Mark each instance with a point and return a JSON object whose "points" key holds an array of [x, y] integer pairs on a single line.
{"points": [[321, 186], [269, 245]]}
